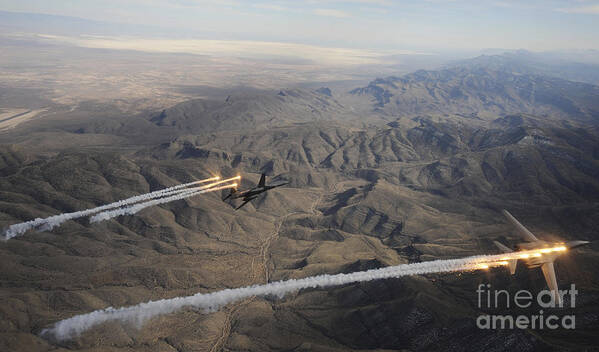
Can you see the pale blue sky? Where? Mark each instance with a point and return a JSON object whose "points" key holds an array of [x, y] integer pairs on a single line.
{"points": [[370, 24]]}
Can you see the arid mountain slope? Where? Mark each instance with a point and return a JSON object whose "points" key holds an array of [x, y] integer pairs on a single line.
{"points": [[480, 92], [366, 191]]}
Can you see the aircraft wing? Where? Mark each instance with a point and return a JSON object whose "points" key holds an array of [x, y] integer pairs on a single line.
{"points": [[527, 235], [549, 273], [245, 202], [231, 193], [262, 182], [235, 194]]}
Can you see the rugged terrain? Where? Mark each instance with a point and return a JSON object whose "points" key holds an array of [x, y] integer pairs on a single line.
{"points": [[406, 169]]}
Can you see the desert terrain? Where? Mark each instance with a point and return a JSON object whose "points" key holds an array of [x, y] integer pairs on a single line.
{"points": [[386, 166]]}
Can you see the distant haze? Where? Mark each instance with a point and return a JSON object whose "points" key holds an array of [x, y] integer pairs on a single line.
{"points": [[235, 48], [364, 24], [155, 53]]}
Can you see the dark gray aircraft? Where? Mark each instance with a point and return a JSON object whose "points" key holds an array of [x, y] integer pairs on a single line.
{"points": [[252, 193], [546, 254]]}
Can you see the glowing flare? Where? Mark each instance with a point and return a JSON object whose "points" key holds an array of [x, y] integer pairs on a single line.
{"points": [[215, 178], [190, 192], [209, 302], [210, 185], [223, 187], [533, 253], [46, 224]]}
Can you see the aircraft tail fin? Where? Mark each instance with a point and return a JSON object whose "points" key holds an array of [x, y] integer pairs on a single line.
{"points": [[502, 247], [511, 262], [512, 265], [262, 182]]}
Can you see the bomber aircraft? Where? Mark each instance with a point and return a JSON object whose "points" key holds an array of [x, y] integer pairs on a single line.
{"points": [[252, 193], [545, 256]]}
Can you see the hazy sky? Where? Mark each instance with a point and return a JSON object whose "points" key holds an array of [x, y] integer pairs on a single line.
{"points": [[369, 24]]}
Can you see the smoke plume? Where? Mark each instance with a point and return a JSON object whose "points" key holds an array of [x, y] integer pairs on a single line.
{"points": [[139, 314], [51, 222], [190, 192]]}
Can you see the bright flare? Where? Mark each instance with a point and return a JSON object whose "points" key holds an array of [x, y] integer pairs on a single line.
{"points": [[215, 178], [190, 192], [46, 224], [208, 302]]}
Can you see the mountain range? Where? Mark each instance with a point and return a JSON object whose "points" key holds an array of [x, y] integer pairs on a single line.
{"points": [[404, 169], [479, 92]]}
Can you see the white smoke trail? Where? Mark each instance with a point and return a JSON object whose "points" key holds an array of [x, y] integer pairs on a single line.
{"points": [[56, 220], [190, 192], [139, 314]]}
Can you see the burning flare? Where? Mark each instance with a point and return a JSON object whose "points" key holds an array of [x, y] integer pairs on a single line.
{"points": [[191, 192], [49, 223], [534, 253], [208, 302]]}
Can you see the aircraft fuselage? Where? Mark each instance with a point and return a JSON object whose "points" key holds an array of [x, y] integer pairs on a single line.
{"points": [[545, 254], [252, 192]]}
